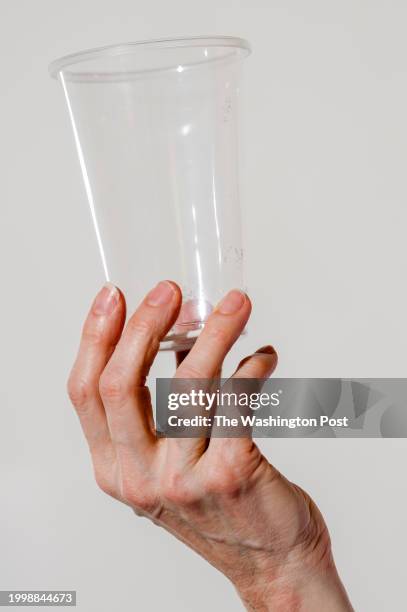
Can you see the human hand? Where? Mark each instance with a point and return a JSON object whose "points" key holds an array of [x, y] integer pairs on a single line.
{"points": [[223, 499]]}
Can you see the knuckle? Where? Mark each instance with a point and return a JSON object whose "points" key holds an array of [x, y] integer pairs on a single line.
{"points": [[138, 495], [221, 484], [141, 329], [217, 334], [222, 487], [79, 392], [104, 483], [111, 385], [93, 334], [176, 491], [189, 370]]}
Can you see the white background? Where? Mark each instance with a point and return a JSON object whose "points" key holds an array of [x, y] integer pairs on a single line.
{"points": [[325, 192]]}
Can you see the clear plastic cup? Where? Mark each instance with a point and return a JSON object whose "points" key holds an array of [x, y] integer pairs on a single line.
{"points": [[156, 130]]}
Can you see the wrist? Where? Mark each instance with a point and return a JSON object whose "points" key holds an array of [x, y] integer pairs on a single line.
{"points": [[308, 586], [324, 591]]}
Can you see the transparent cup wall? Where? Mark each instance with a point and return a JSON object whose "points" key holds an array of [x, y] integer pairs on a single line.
{"points": [[156, 131]]}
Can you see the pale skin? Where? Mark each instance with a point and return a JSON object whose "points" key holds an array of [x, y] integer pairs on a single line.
{"points": [[221, 497]]}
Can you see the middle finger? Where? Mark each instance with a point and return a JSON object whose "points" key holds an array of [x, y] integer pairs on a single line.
{"points": [[204, 361]]}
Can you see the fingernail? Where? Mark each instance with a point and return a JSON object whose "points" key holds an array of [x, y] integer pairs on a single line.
{"points": [[162, 294], [232, 302], [106, 300], [268, 350]]}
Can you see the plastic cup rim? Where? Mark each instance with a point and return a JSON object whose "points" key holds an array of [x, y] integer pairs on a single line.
{"points": [[228, 42]]}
